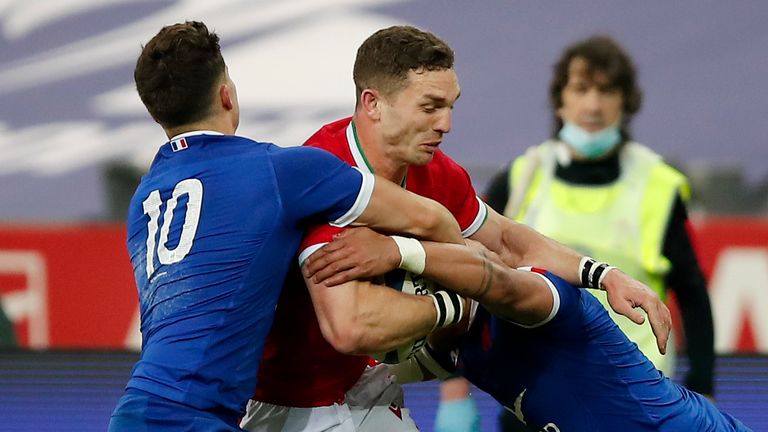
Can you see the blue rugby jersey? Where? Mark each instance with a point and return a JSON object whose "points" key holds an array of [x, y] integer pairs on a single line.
{"points": [[579, 372], [212, 229]]}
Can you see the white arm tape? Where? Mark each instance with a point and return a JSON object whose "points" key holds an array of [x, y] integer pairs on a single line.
{"points": [[413, 257], [449, 307], [602, 276], [593, 272]]}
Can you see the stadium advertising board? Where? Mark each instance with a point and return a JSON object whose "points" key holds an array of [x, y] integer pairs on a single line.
{"points": [[72, 286]]}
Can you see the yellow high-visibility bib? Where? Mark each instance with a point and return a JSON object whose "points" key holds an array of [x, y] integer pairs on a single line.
{"points": [[622, 223]]}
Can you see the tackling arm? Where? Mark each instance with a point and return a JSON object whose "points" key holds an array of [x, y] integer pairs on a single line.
{"points": [[519, 296], [518, 245], [395, 210], [360, 317], [476, 273]]}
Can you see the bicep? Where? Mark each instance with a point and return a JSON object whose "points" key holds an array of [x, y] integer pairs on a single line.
{"points": [[333, 305]]}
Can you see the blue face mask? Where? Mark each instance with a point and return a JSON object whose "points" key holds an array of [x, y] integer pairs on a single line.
{"points": [[588, 144]]}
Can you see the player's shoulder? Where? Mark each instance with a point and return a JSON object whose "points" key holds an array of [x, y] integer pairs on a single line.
{"points": [[227, 149], [241, 143], [234, 152], [294, 158], [330, 135]]}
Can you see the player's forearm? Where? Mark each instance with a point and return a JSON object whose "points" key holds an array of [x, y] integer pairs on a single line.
{"points": [[387, 319], [393, 209], [519, 245], [518, 296], [363, 318], [530, 248]]}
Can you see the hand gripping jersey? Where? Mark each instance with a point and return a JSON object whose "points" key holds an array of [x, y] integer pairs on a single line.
{"points": [[212, 230], [299, 368], [579, 372]]}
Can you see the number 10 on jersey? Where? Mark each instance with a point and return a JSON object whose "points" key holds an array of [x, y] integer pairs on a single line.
{"points": [[193, 188]]}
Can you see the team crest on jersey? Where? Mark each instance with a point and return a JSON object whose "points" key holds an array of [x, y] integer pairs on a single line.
{"points": [[179, 144]]}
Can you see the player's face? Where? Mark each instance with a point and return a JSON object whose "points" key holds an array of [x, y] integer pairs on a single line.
{"points": [[414, 119], [588, 99]]}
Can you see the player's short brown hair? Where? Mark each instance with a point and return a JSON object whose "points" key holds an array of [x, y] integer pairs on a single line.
{"points": [[177, 71], [385, 58]]}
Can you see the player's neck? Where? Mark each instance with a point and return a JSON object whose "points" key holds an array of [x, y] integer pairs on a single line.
{"points": [[375, 151], [217, 124]]}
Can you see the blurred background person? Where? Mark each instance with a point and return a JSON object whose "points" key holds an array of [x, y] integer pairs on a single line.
{"points": [[594, 189]]}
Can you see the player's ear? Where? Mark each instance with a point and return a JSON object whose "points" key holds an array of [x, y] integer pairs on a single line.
{"points": [[370, 101], [226, 96]]}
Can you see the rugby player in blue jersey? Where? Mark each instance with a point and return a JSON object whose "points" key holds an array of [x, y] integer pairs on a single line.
{"points": [[545, 349], [212, 229]]}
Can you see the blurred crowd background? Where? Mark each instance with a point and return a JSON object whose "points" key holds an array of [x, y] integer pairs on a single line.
{"points": [[75, 139]]}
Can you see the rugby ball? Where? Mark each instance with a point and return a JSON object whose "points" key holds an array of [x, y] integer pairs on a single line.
{"points": [[410, 283]]}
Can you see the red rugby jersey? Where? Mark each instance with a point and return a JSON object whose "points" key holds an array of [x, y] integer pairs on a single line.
{"points": [[299, 368]]}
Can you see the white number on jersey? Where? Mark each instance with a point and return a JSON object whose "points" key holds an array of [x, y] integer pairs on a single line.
{"points": [[193, 188]]}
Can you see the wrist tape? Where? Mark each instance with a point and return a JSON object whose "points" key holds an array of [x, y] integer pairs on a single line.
{"points": [[449, 307], [593, 272], [413, 257]]}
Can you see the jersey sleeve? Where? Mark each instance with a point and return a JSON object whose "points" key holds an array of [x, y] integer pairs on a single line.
{"points": [[462, 200], [566, 312], [313, 182], [315, 238], [565, 307]]}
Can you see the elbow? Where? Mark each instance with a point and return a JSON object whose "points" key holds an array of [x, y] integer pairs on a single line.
{"points": [[435, 222], [513, 298], [529, 300], [346, 338]]}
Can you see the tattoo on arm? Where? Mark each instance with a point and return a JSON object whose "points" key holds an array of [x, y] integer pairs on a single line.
{"points": [[487, 275]]}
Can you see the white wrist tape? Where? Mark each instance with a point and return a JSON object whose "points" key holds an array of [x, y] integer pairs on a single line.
{"points": [[593, 272], [413, 257], [602, 276]]}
